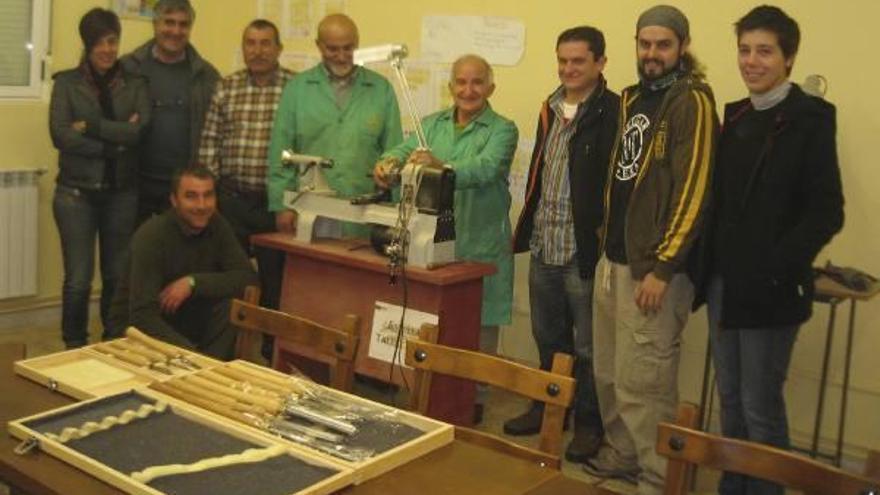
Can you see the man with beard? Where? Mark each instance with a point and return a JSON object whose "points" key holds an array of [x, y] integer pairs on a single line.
{"points": [[655, 197], [335, 110]]}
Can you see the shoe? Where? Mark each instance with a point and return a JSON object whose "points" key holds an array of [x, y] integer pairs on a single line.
{"points": [[528, 423], [584, 445], [478, 414], [267, 347], [604, 465]]}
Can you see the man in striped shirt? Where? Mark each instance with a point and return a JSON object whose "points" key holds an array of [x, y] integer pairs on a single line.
{"points": [[235, 143], [655, 199], [559, 222]]}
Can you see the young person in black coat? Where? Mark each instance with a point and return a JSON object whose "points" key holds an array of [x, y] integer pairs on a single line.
{"points": [[777, 202]]}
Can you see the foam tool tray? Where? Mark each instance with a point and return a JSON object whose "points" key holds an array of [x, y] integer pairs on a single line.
{"points": [[144, 443], [365, 436]]}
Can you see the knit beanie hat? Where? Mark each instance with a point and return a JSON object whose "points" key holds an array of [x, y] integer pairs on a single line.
{"points": [[96, 24], [666, 16]]}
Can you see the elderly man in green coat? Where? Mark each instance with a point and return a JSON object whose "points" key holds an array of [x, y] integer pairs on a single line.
{"points": [[479, 144], [335, 110]]}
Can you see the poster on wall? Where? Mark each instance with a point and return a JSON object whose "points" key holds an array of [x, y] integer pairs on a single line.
{"points": [[500, 40], [519, 171], [297, 18], [136, 9]]}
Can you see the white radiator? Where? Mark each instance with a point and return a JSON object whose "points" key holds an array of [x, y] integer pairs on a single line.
{"points": [[19, 202]]}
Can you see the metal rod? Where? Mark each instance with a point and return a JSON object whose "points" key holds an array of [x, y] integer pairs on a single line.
{"points": [[814, 446], [397, 65], [843, 399], [321, 419]]}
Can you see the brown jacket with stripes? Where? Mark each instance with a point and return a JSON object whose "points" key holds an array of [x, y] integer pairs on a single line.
{"points": [[665, 212]]}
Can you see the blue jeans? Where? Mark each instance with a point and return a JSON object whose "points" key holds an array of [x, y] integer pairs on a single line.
{"points": [[561, 303], [750, 368], [81, 216]]}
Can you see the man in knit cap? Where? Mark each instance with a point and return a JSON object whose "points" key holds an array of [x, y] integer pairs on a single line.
{"points": [[655, 197]]}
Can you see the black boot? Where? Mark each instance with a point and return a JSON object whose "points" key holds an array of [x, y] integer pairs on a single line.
{"points": [[585, 443], [527, 423]]}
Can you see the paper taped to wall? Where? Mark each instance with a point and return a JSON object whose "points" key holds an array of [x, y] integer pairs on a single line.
{"points": [[501, 40]]}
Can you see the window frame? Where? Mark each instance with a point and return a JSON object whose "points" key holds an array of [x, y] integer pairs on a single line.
{"points": [[40, 29]]}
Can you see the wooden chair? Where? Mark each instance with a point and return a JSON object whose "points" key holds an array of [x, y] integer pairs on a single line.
{"points": [[684, 445], [872, 464], [248, 343], [338, 345], [555, 388], [679, 473]]}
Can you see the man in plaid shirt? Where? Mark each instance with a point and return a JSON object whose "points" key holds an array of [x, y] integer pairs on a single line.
{"points": [[235, 143]]}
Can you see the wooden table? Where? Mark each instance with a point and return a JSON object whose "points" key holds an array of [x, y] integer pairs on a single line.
{"points": [[458, 468], [327, 279]]}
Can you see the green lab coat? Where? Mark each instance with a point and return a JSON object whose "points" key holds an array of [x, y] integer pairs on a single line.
{"points": [[481, 155], [309, 121]]}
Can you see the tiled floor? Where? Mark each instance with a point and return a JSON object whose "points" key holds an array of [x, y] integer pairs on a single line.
{"points": [[43, 339]]}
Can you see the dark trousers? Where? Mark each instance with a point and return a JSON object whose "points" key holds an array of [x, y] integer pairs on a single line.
{"points": [[153, 198], [248, 214], [750, 368], [82, 216], [205, 322], [561, 304]]}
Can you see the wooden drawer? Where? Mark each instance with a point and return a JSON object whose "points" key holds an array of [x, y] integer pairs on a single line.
{"points": [[82, 374], [93, 371]]}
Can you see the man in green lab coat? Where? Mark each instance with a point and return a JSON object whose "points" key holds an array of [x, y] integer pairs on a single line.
{"points": [[479, 144], [335, 110]]}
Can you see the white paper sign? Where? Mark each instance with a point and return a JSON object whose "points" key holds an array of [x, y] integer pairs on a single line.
{"points": [[385, 337], [501, 40], [519, 169]]}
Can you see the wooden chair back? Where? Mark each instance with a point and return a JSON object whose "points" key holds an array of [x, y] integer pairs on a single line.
{"points": [[682, 444], [872, 464], [555, 388], [339, 345], [679, 473]]}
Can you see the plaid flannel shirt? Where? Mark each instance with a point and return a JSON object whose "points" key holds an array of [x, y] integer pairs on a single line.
{"points": [[238, 125]]}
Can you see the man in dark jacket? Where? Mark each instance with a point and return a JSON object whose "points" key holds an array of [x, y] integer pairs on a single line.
{"points": [[658, 179], [181, 84], [184, 267], [777, 202], [559, 222]]}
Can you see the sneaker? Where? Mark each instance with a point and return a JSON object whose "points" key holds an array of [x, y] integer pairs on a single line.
{"points": [[584, 445], [606, 465], [528, 423]]}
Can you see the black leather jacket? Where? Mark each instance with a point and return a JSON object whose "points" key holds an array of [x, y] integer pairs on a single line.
{"points": [[82, 156]]}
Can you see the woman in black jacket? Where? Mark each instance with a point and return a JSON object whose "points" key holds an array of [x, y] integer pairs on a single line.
{"points": [[96, 117], [778, 201]]}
